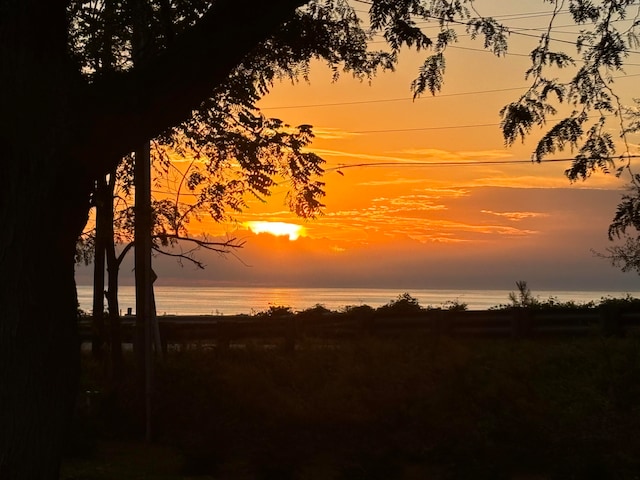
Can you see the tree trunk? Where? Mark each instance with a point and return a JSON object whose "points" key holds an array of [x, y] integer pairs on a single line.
{"points": [[57, 135], [115, 337], [42, 215], [144, 285], [39, 350], [113, 271], [43, 208], [102, 202]]}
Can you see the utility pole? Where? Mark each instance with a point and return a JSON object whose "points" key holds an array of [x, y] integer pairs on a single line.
{"points": [[99, 256], [144, 285]]}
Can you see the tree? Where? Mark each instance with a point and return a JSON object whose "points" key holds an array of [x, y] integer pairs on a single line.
{"points": [[524, 298], [237, 151], [626, 255], [63, 126], [59, 133], [592, 101]]}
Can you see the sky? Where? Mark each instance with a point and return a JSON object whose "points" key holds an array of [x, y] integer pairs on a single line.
{"points": [[465, 221]]}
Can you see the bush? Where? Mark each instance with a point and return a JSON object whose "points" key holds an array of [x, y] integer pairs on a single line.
{"points": [[405, 304], [276, 311], [455, 306], [314, 312]]}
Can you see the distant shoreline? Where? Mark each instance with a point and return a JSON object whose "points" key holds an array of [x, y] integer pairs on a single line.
{"points": [[198, 300]]}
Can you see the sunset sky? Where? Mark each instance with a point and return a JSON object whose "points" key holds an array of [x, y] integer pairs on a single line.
{"points": [[466, 221]]}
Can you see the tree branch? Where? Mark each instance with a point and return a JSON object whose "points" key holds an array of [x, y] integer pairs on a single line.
{"points": [[219, 247], [123, 253], [124, 109]]}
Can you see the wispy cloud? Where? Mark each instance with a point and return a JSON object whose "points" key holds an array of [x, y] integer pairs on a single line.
{"points": [[363, 157], [426, 155], [516, 216], [530, 181], [395, 181], [328, 133], [407, 217], [449, 155], [445, 192], [411, 202], [424, 196]]}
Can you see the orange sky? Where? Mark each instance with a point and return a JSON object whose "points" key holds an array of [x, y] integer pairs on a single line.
{"points": [[449, 226]]}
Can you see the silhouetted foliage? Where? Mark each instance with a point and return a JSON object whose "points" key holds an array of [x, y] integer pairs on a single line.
{"points": [[524, 297], [627, 302], [600, 52], [405, 304], [358, 310], [455, 306], [276, 311], [317, 311]]}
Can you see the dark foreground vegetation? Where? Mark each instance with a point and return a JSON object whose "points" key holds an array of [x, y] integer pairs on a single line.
{"points": [[418, 407], [524, 317]]}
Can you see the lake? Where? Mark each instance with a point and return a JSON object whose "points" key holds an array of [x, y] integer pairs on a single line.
{"points": [[247, 300]]}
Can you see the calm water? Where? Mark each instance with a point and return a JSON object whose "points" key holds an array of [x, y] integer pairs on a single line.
{"points": [[234, 300]]}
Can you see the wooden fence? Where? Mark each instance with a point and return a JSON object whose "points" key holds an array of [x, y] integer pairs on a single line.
{"points": [[223, 331]]}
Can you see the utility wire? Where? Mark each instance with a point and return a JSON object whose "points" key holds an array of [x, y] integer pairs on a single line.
{"points": [[445, 127], [466, 163], [419, 129], [515, 31], [399, 99]]}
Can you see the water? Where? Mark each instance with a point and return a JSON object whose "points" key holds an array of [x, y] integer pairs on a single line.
{"points": [[248, 300]]}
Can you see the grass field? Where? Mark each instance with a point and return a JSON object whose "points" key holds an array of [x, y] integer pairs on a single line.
{"points": [[403, 408]]}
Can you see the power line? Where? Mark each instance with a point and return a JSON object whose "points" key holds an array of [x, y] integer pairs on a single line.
{"points": [[506, 16], [471, 49], [419, 163], [444, 127], [416, 129], [399, 99], [466, 163], [515, 30]]}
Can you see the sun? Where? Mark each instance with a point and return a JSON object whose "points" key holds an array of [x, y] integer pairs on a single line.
{"points": [[279, 229]]}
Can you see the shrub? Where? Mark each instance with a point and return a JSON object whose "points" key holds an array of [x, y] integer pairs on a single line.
{"points": [[314, 312], [405, 304], [276, 311], [455, 306]]}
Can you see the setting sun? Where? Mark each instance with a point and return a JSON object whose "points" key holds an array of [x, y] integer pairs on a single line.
{"points": [[279, 229]]}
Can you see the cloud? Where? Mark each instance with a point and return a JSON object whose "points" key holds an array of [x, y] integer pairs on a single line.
{"points": [[361, 156], [426, 155], [411, 202], [446, 155], [530, 182], [328, 133], [395, 181], [411, 217], [516, 216]]}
